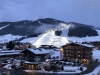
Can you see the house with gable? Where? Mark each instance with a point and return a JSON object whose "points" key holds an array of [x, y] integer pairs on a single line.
{"points": [[34, 58], [76, 51]]}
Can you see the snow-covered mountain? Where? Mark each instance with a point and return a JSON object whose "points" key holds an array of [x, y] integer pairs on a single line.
{"points": [[9, 37], [49, 38], [49, 30], [34, 28]]}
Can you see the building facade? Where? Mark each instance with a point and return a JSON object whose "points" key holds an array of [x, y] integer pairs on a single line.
{"points": [[34, 58], [96, 44], [74, 51]]}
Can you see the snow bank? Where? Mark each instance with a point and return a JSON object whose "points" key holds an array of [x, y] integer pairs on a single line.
{"points": [[69, 68], [8, 66], [96, 54], [59, 72]]}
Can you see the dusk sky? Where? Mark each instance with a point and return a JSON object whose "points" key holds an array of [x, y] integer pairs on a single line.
{"points": [[81, 11]]}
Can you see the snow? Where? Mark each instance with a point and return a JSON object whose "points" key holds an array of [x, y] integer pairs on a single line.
{"points": [[29, 40], [63, 72], [70, 69], [55, 53], [28, 70], [4, 51], [64, 32], [3, 27], [87, 45], [37, 51], [10, 52], [8, 66], [8, 37], [49, 38], [96, 54], [92, 38], [17, 62]]}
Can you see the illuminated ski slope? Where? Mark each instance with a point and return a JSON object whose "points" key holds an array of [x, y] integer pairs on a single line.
{"points": [[49, 38]]}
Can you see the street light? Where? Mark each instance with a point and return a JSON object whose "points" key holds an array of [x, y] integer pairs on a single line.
{"points": [[61, 53], [54, 66], [9, 70]]}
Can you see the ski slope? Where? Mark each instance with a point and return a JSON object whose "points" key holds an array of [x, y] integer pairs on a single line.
{"points": [[4, 27], [49, 38], [8, 37]]}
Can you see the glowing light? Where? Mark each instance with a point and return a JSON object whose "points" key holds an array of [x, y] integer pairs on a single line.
{"points": [[47, 60], [61, 50]]}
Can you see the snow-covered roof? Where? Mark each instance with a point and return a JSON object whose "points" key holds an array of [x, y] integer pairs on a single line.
{"points": [[9, 52], [27, 62], [86, 45], [38, 51]]}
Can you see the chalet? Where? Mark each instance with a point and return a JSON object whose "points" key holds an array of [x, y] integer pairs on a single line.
{"points": [[23, 46], [6, 54], [48, 47], [34, 57], [96, 44], [75, 51]]}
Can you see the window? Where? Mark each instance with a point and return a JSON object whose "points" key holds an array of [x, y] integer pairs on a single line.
{"points": [[78, 55], [78, 51], [37, 59]]}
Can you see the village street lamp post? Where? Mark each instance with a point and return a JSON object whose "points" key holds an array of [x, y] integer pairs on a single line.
{"points": [[54, 66], [9, 70]]}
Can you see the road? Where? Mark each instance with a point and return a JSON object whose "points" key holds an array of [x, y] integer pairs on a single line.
{"points": [[21, 72], [12, 71], [90, 68]]}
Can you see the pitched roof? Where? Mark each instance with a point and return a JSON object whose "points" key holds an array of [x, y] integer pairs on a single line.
{"points": [[86, 45], [38, 51]]}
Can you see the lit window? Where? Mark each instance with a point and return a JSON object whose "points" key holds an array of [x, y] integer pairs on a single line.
{"points": [[61, 50], [78, 55], [78, 51]]}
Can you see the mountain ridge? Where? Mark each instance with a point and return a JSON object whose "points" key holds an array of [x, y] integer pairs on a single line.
{"points": [[36, 27]]}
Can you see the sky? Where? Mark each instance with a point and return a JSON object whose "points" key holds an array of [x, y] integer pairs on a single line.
{"points": [[81, 11]]}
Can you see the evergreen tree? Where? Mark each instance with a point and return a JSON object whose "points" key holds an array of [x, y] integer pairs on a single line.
{"points": [[10, 45]]}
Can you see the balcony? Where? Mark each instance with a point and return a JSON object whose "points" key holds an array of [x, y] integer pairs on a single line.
{"points": [[88, 57]]}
